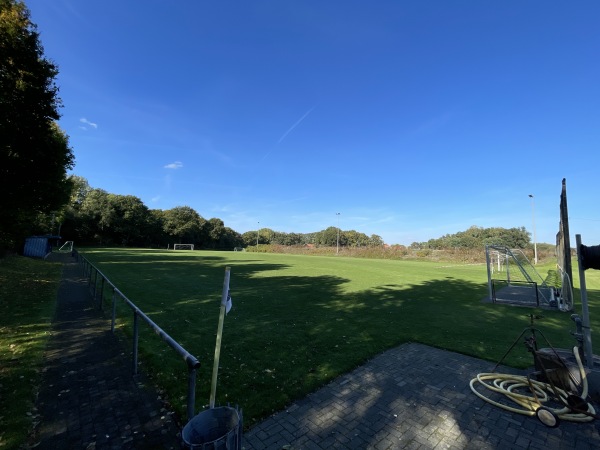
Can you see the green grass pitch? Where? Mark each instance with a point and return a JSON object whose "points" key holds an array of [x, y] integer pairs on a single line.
{"points": [[299, 321]]}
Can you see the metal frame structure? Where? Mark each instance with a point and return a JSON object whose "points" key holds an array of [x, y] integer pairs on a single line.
{"points": [[525, 275], [191, 246]]}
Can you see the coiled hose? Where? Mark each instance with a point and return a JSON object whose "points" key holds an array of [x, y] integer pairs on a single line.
{"points": [[541, 393]]}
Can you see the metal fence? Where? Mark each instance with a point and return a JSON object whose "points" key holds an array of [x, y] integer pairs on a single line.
{"points": [[97, 283]]}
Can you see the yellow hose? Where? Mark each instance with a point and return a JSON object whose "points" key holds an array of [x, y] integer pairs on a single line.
{"points": [[506, 384]]}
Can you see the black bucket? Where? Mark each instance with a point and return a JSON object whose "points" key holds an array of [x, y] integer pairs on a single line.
{"points": [[214, 429]]}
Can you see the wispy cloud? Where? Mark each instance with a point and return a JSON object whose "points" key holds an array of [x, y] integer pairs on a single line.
{"points": [[157, 198], [290, 129], [87, 122], [174, 165]]}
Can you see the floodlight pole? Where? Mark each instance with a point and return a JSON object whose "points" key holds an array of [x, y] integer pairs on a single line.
{"points": [[338, 234], [535, 258]]}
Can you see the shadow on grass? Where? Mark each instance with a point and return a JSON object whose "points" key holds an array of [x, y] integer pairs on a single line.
{"points": [[289, 335]]}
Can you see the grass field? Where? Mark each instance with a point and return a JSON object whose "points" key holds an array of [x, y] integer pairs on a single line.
{"points": [[27, 301], [300, 321]]}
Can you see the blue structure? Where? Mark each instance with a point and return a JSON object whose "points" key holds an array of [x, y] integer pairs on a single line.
{"points": [[39, 246]]}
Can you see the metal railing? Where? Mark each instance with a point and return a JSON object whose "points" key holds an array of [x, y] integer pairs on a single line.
{"points": [[92, 273]]}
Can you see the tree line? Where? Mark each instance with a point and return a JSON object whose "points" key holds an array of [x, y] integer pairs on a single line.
{"points": [[478, 237], [330, 237], [96, 217]]}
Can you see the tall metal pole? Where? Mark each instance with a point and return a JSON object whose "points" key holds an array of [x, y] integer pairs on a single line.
{"points": [[338, 233], [489, 274], [257, 233], [535, 258]]}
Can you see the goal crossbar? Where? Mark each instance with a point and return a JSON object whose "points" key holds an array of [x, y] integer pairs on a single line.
{"points": [[183, 246]]}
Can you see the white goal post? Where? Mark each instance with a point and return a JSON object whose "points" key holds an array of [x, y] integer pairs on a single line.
{"points": [[183, 246], [66, 247]]}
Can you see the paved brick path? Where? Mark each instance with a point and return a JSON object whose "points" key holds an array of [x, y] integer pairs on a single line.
{"points": [[411, 397], [89, 399]]}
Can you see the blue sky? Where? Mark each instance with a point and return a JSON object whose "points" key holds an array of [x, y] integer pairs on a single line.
{"points": [[412, 119]]}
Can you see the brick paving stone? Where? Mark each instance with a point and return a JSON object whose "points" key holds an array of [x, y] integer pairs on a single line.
{"points": [[417, 397], [88, 397]]}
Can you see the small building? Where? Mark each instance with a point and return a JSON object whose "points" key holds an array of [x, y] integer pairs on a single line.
{"points": [[39, 246]]}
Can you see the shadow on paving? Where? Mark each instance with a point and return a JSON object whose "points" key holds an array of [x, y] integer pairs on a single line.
{"points": [[413, 397], [88, 398]]}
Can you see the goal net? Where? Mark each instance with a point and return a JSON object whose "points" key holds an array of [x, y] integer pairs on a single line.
{"points": [[183, 246], [513, 279]]}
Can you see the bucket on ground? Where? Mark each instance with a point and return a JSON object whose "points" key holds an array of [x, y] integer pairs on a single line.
{"points": [[214, 429]]}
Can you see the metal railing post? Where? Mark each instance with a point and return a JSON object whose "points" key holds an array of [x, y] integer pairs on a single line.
{"points": [[101, 292], [135, 341], [95, 283], [114, 311], [191, 400]]}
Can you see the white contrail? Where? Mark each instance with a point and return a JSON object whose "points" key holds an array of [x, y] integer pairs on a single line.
{"points": [[295, 125], [290, 129]]}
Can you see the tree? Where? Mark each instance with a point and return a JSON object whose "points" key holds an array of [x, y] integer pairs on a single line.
{"points": [[295, 239], [249, 238], [329, 237], [230, 239], [96, 215], [34, 152], [70, 221], [266, 236], [375, 241], [276, 237], [131, 220], [158, 237], [477, 237], [356, 239], [80, 189], [215, 228], [67, 220], [184, 225]]}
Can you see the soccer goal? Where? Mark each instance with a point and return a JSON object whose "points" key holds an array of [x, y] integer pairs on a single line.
{"points": [[183, 246], [66, 247], [513, 279]]}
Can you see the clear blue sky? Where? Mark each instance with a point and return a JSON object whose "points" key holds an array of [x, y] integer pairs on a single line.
{"points": [[412, 119]]}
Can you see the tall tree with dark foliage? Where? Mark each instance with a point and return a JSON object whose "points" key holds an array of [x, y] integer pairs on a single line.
{"points": [[34, 152]]}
